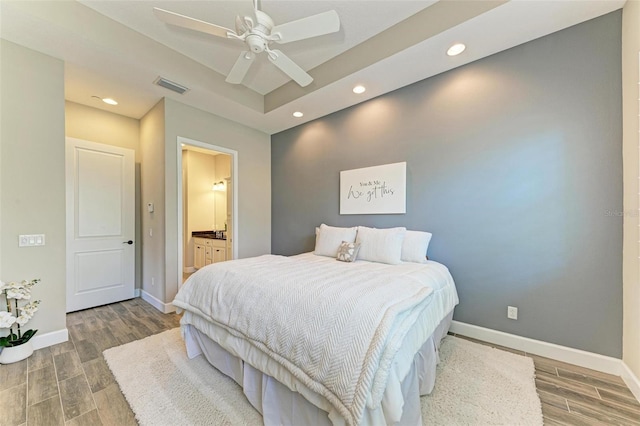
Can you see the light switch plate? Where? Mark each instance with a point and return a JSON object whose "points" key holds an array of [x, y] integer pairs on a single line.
{"points": [[31, 240]]}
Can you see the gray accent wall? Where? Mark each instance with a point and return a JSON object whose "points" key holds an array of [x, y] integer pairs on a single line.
{"points": [[514, 163]]}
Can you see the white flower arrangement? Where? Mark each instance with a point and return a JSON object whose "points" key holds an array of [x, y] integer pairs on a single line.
{"points": [[17, 316]]}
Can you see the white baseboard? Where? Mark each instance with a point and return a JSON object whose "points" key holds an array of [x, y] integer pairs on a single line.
{"points": [[136, 292], [40, 341], [189, 269], [157, 303], [579, 357], [632, 381]]}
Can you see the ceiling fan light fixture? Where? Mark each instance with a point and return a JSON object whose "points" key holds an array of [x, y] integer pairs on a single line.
{"points": [[298, 114], [359, 89], [456, 49]]}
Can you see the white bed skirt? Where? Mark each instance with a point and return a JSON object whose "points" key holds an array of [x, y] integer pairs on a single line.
{"points": [[281, 406]]}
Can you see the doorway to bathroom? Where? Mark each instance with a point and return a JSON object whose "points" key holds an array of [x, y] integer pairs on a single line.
{"points": [[207, 225]]}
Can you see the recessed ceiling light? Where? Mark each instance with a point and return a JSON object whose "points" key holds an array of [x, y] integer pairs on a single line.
{"points": [[456, 49], [359, 89], [298, 114], [106, 100]]}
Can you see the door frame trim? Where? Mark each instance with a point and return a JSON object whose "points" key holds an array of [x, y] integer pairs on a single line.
{"points": [[234, 176]]}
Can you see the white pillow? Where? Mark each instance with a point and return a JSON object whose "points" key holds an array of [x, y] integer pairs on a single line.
{"points": [[329, 238], [380, 245], [415, 246]]}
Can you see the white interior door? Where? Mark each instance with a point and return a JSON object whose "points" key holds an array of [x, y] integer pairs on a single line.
{"points": [[100, 183]]}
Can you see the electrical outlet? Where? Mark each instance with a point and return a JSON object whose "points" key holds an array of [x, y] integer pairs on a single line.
{"points": [[512, 312], [153, 281]]}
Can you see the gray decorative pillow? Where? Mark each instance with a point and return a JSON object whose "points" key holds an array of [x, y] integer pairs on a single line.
{"points": [[348, 252]]}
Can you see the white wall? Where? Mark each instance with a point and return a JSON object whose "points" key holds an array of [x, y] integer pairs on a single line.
{"points": [[254, 180], [32, 180], [187, 255], [152, 191], [201, 171], [160, 129], [631, 127], [223, 170], [98, 125]]}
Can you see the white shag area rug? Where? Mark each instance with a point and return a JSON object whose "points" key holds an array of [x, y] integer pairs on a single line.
{"points": [[479, 385], [476, 385]]}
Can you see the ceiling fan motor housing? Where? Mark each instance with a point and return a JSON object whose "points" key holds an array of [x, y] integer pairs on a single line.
{"points": [[257, 38], [256, 43]]}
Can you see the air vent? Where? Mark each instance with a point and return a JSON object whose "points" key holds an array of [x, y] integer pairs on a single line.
{"points": [[167, 84]]}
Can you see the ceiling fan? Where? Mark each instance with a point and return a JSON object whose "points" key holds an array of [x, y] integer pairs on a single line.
{"points": [[258, 35]]}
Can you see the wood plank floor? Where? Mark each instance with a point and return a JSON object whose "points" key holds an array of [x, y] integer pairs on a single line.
{"points": [[70, 383]]}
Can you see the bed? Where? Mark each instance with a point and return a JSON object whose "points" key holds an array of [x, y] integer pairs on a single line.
{"points": [[315, 341]]}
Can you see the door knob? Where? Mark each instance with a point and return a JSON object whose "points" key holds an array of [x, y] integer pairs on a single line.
{"points": [[128, 242]]}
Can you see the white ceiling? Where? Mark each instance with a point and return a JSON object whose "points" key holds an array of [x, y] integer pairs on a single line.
{"points": [[117, 49]]}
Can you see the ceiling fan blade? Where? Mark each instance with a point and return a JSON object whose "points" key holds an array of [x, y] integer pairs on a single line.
{"points": [[311, 26], [191, 23], [241, 26], [240, 68], [289, 67]]}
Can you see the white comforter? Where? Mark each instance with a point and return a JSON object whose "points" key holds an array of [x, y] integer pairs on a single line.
{"points": [[336, 327]]}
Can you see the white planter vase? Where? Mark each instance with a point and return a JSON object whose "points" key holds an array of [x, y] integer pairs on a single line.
{"points": [[16, 353]]}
